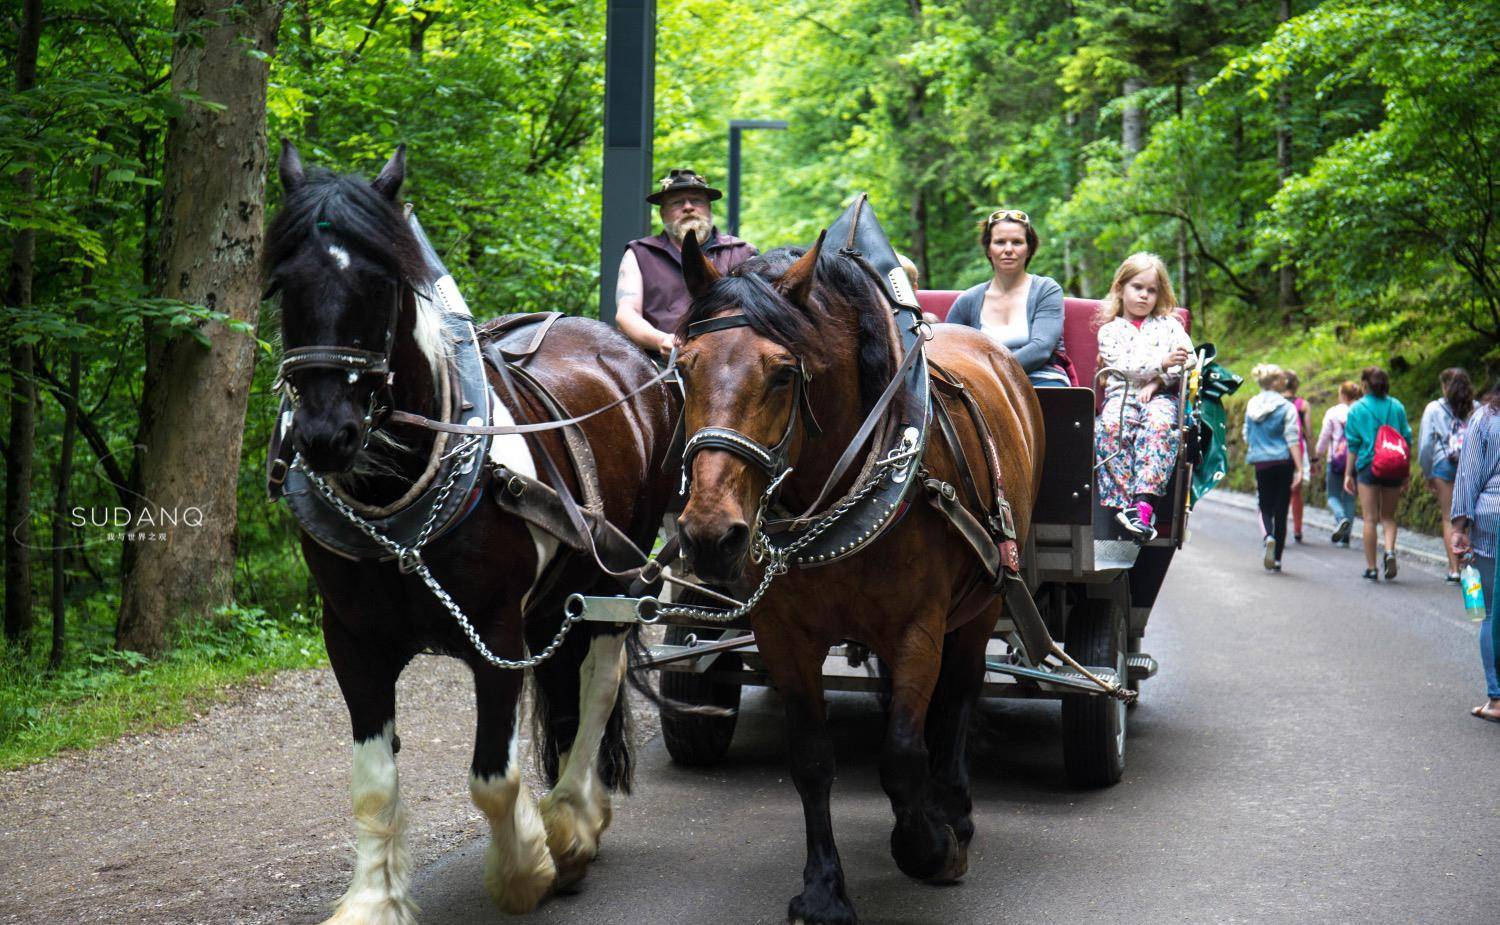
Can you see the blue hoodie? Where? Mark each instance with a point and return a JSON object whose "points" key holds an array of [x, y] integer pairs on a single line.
{"points": [[1270, 428]]}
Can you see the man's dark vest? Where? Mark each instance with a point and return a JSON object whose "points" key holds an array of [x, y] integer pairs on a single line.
{"points": [[665, 295]]}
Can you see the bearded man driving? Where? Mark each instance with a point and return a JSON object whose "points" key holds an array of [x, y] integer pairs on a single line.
{"points": [[650, 298]]}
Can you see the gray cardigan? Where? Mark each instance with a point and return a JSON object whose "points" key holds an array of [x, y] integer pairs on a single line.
{"points": [[1044, 318]]}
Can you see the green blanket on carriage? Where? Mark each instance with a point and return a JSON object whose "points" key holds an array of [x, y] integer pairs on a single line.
{"points": [[1214, 384]]}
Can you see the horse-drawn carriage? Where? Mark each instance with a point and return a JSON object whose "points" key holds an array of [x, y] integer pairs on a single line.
{"points": [[1094, 586], [454, 482]]}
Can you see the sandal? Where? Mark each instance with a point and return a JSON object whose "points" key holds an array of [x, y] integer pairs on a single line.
{"points": [[1487, 717]]}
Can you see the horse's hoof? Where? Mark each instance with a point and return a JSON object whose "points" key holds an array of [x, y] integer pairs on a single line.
{"points": [[392, 910], [955, 865], [518, 889], [572, 839], [826, 909]]}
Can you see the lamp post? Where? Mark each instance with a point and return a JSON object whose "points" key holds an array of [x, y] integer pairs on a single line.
{"points": [[629, 82], [736, 126]]}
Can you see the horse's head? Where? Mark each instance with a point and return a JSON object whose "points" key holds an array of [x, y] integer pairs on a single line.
{"points": [[750, 349], [344, 262]]}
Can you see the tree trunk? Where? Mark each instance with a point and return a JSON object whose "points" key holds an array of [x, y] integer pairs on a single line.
{"points": [[193, 415], [22, 438], [1182, 241], [60, 518], [1286, 281], [312, 125], [1132, 120]]}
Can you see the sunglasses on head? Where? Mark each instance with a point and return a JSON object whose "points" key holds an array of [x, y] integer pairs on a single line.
{"points": [[1008, 215]]}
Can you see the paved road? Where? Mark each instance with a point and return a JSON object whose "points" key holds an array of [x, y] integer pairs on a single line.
{"points": [[1305, 756]]}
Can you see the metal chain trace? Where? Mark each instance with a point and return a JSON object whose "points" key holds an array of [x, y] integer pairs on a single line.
{"points": [[409, 558]]}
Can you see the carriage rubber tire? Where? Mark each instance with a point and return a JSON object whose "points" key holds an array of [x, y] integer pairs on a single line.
{"points": [[698, 741], [1094, 725]]}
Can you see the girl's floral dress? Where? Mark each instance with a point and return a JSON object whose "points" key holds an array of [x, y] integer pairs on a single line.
{"points": [[1137, 443]]}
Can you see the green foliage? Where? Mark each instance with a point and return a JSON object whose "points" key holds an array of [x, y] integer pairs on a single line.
{"points": [[942, 110], [106, 692]]}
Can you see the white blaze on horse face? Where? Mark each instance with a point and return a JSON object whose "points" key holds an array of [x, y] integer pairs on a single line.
{"points": [[382, 867], [577, 811], [518, 870], [339, 255]]}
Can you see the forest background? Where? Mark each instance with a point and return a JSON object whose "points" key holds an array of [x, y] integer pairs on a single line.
{"points": [[1320, 177]]}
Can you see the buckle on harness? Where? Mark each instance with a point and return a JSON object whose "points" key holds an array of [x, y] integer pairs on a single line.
{"points": [[1003, 521], [276, 476]]}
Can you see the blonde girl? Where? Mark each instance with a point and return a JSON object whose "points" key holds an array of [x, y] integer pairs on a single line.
{"points": [[1137, 438]]}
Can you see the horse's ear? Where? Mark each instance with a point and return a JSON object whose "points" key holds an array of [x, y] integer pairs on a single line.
{"points": [[796, 282], [699, 274], [290, 167], [392, 175]]}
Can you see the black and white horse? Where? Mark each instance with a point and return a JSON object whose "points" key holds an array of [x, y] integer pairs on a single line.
{"points": [[369, 326]]}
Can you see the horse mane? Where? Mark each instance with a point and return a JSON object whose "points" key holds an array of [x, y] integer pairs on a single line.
{"points": [[840, 279], [356, 215], [328, 209]]}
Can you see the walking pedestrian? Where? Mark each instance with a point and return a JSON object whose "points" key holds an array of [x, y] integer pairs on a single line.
{"points": [[1303, 426], [1379, 462], [1271, 439], [1332, 452], [1444, 423], [1475, 519]]}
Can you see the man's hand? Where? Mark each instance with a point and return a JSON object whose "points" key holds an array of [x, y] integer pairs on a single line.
{"points": [[1459, 543], [668, 341]]}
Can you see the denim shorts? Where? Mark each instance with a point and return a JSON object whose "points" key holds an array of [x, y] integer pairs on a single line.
{"points": [[1366, 477], [1443, 469]]}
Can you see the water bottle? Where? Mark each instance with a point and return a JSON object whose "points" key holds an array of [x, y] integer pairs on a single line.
{"points": [[1468, 579]]}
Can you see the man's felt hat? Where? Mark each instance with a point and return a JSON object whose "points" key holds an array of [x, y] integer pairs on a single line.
{"points": [[680, 180]]}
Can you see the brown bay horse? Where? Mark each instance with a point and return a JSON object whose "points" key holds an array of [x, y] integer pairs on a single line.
{"points": [[819, 318], [362, 317]]}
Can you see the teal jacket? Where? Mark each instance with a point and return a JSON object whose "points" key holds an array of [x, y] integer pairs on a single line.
{"points": [[1365, 418]]}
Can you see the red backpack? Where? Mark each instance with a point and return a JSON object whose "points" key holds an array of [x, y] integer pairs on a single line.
{"points": [[1392, 455]]}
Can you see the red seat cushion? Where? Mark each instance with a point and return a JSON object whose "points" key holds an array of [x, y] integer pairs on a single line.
{"points": [[1080, 325]]}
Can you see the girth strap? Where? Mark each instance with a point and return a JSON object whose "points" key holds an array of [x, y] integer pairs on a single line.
{"points": [[540, 505]]}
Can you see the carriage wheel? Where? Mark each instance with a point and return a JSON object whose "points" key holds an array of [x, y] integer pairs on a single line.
{"points": [[698, 740], [1094, 726]]}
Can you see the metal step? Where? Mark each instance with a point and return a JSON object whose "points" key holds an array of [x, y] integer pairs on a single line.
{"points": [[1139, 666]]}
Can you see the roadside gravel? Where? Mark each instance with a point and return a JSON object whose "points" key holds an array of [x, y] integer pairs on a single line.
{"points": [[241, 816]]}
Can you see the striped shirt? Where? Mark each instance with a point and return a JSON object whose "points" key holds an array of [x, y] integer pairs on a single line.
{"points": [[1476, 489]]}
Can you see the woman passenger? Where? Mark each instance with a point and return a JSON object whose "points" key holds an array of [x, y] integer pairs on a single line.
{"points": [[1137, 435], [1021, 311], [1444, 423], [1377, 496]]}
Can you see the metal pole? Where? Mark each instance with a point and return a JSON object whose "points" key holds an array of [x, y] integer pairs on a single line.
{"points": [[732, 220], [629, 117], [732, 223]]}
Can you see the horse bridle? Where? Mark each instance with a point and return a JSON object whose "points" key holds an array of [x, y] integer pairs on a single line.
{"points": [[772, 460], [357, 364]]}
